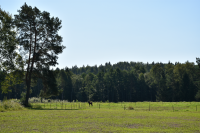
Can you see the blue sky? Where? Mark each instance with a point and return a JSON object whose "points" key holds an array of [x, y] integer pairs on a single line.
{"points": [[99, 31]]}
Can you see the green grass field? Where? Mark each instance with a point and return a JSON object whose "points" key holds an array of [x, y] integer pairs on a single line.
{"points": [[110, 117]]}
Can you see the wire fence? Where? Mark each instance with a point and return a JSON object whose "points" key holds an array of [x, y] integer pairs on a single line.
{"points": [[136, 106]]}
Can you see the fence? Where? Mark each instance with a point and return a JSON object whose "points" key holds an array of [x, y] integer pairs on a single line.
{"points": [[136, 106]]}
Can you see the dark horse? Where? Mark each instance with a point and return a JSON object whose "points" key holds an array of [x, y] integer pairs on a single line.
{"points": [[90, 102]]}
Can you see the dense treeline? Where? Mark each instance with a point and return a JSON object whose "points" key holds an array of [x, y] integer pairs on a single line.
{"points": [[123, 81]]}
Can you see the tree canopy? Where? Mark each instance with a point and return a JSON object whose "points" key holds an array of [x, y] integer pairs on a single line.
{"points": [[31, 41]]}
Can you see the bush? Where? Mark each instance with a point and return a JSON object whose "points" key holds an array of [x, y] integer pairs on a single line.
{"points": [[8, 105], [34, 99], [38, 100]]}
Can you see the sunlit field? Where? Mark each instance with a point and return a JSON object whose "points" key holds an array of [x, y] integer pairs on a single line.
{"points": [[104, 117], [136, 106]]}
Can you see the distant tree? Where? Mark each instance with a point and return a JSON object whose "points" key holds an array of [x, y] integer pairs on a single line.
{"points": [[69, 90], [61, 81], [149, 80], [39, 39], [184, 81], [170, 83], [89, 85], [198, 61], [197, 96], [142, 91], [50, 87], [160, 79], [100, 86]]}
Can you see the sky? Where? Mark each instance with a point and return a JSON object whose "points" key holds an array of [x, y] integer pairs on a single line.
{"points": [[99, 31]]}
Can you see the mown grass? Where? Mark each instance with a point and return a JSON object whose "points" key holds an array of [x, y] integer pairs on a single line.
{"points": [[105, 119]]}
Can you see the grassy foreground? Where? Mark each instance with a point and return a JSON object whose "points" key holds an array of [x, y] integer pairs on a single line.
{"points": [[93, 119]]}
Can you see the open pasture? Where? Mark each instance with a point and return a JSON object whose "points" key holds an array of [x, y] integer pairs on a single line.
{"points": [[42, 118], [137, 106]]}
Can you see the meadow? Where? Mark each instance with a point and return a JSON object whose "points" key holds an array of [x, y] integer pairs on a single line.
{"points": [[104, 117]]}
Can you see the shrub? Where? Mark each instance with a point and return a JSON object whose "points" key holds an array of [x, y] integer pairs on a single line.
{"points": [[34, 99], [8, 105]]}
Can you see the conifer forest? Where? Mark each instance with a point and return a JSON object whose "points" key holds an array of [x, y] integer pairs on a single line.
{"points": [[124, 81]]}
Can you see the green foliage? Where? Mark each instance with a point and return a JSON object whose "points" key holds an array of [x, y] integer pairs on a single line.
{"points": [[50, 87], [23, 97], [42, 44], [10, 80], [8, 42], [164, 82], [197, 97], [10, 61], [8, 105]]}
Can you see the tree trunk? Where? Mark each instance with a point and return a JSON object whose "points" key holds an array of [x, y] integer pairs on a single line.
{"points": [[28, 76], [27, 93]]}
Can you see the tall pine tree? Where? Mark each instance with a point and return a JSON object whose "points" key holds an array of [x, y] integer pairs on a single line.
{"points": [[39, 42]]}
